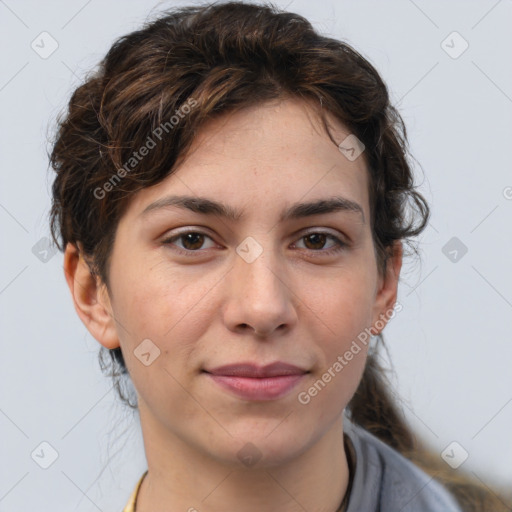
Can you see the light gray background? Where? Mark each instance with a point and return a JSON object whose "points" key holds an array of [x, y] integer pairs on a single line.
{"points": [[451, 345]]}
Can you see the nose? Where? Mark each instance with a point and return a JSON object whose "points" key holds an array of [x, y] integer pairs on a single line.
{"points": [[259, 297]]}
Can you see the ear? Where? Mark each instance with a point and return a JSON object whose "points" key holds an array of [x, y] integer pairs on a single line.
{"points": [[90, 297], [385, 299]]}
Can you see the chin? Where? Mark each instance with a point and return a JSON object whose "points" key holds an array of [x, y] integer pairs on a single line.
{"points": [[265, 447]]}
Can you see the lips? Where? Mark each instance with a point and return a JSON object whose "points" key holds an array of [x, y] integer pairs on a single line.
{"points": [[261, 383], [254, 371]]}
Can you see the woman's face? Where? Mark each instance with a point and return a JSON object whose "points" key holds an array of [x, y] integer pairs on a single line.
{"points": [[268, 282]]}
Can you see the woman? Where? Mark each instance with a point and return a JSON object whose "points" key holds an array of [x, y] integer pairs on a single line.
{"points": [[231, 196]]}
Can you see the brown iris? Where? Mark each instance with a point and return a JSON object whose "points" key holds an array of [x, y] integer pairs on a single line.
{"points": [[316, 238], [195, 239]]}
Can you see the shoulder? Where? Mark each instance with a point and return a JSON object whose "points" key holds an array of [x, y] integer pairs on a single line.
{"points": [[386, 481]]}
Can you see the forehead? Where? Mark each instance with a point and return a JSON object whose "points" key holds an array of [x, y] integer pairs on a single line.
{"points": [[269, 154]]}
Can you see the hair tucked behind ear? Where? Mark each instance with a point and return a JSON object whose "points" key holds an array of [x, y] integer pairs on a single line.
{"points": [[205, 61]]}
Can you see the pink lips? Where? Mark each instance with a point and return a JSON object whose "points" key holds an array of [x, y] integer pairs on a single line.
{"points": [[252, 382]]}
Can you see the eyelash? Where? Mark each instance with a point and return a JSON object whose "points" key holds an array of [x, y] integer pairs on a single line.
{"points": [[340, 245]]}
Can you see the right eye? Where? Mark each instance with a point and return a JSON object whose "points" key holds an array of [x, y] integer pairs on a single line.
{"points": [[191, 242]]}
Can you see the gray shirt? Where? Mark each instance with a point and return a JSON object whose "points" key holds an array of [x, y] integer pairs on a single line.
{"points": [[385, 481]]}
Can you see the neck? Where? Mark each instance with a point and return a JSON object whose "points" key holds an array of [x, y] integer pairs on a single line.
{"points": [[182, 478]]}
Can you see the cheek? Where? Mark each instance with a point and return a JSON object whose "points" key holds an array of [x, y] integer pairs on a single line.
{"points": [[342, 310], [170, 310], [334, 382], [336, 386], [170, 314], [343, 305], [153, 302]]}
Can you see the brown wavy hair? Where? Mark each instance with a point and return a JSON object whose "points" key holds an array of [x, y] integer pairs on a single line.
{"points": [[191, 64]]}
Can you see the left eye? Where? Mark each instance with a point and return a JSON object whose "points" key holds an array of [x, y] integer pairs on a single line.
{"points": [[313, 240]]}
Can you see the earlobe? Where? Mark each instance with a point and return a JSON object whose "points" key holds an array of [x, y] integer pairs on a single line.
{"points": [[388, 288], [90, 298]]}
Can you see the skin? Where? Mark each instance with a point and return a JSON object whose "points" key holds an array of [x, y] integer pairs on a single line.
{"points": [[294, 303]]}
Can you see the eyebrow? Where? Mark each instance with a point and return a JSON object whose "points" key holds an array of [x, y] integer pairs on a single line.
{"points": [[207, 206]]}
